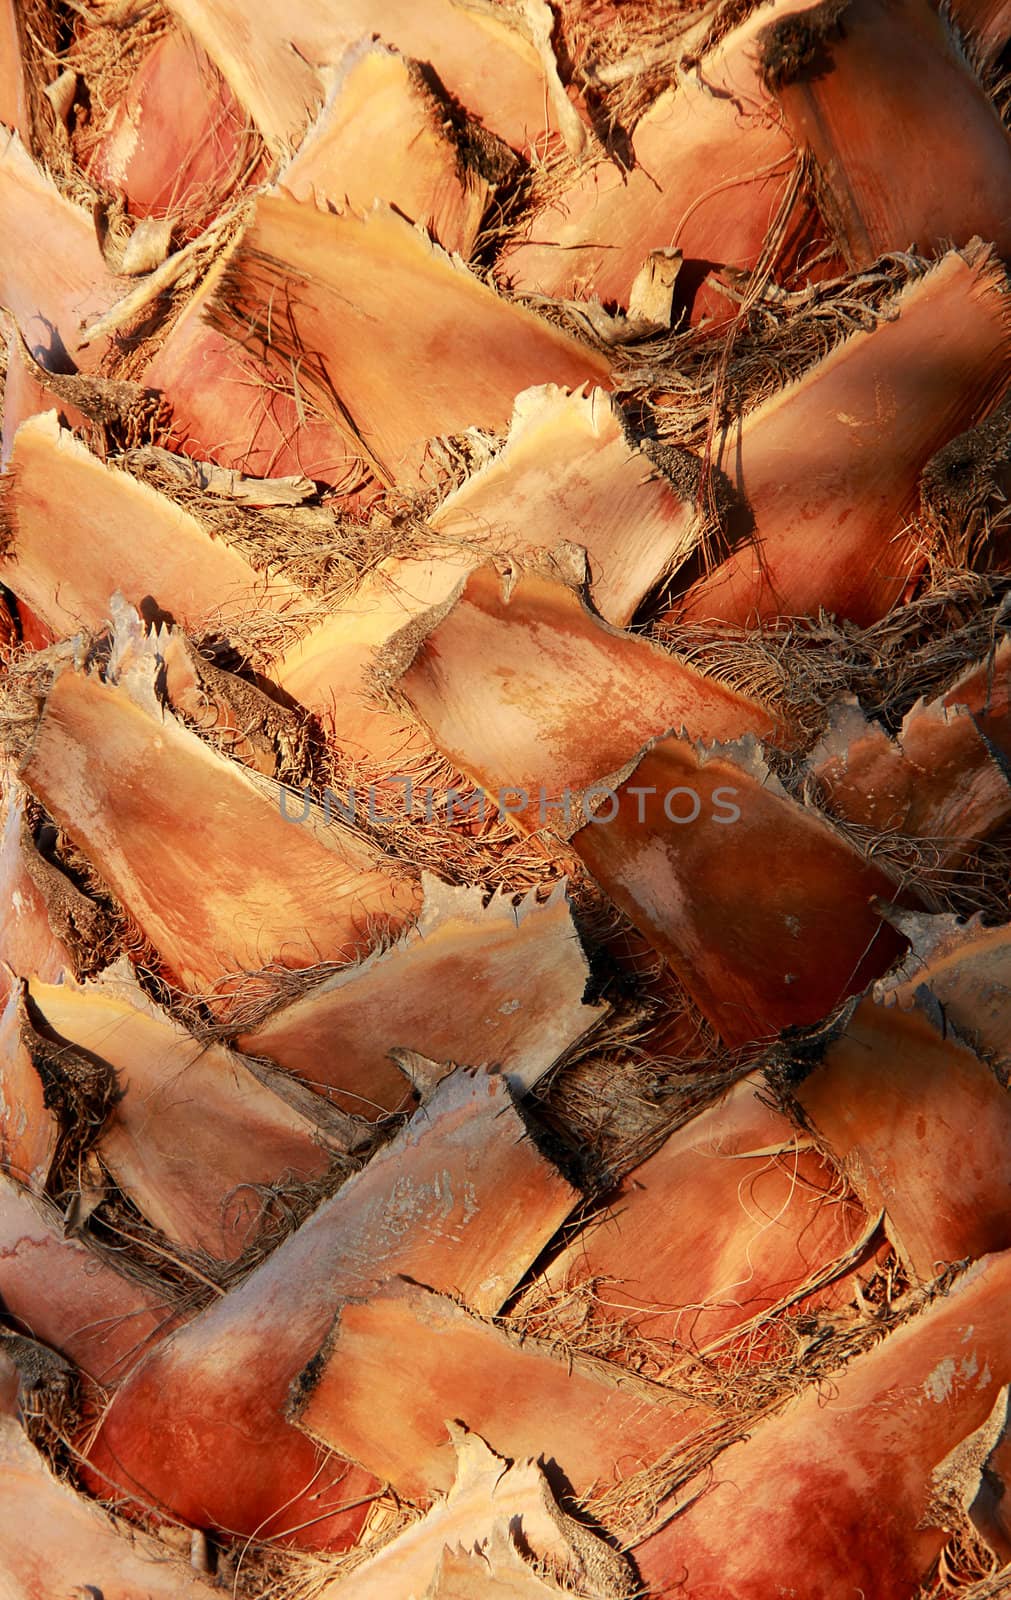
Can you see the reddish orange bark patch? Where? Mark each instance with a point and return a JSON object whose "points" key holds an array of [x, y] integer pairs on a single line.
{"points": [[752, 1215], [713, 167], [525, 690], [937, 781], [54, 1538], [154, 807], [227, 407], [829, 467], [460, 1199], [303, 279], [594, 1424], [909, 148], [501, 985], [177, 142], [833, 1495], [767, 919], [922, 1128], [196, 1126], [69, 1295]]}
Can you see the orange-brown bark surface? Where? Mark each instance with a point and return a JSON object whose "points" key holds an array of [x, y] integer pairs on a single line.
{"points": [[760, 1216], [62, 1539], [177, 143], [28, 1129], [269, 57], [937, 781], [835, 1494], [768, 919], [570, 473], [966, 967], [71, 524], [148, 799], [501, 985], [53, 278], [68, 1293], [500, 680], [712, 174], [383, 134], [196, 1129], [306, 279], [228, 408], [592, 1424], [910, 150], [922, 1127], [829, 467], [459, 1200]]}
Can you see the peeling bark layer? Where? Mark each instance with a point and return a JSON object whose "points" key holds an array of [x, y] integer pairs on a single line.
{"points": [[922, 1128], [501, 985], [504, 679], [759, 1216], [766, 918], [239, 718], [148, 800], [570, 472], [63, 1545], [498, 1568], [489, 1496], [302, 279], [910, 150], [66, 1293], [196, 1128], [229, 408], [829, 467], [177, 143], [28, 1129], [28, 941], [331, 669], [460, 1199], [72, 526], [383, 134], [26, 393], [984, 690], [966, 969], [834, 1495], [712, 175], [52, 278], [937, 781], [269, 57], [591, 1424], [567, 473]]}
